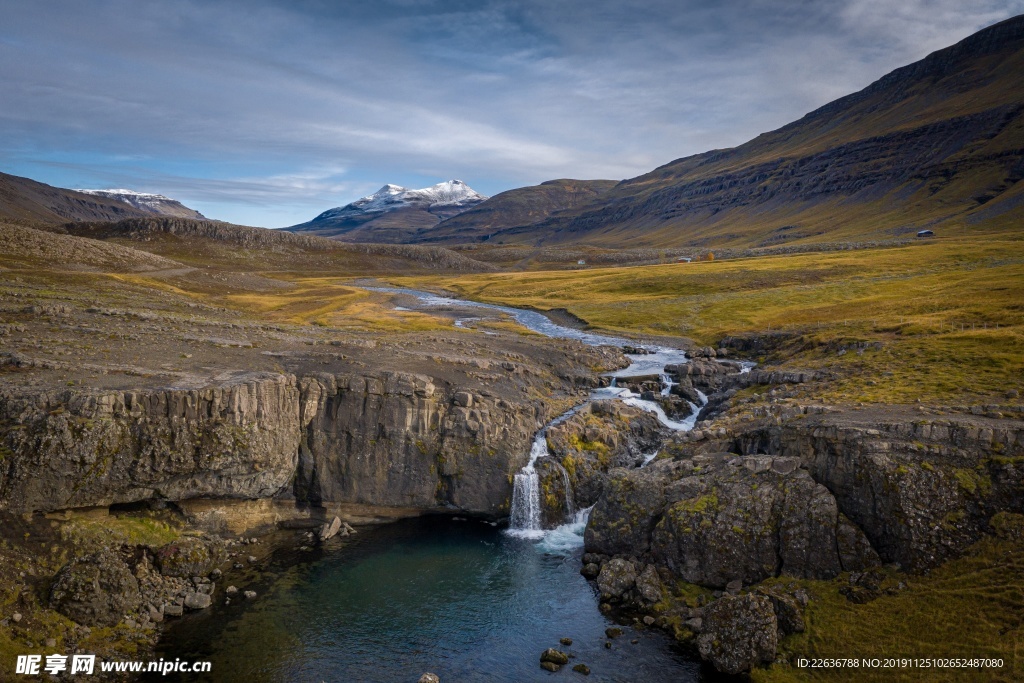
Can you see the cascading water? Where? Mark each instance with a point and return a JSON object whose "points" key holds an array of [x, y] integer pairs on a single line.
{"points": [[525, 515]]}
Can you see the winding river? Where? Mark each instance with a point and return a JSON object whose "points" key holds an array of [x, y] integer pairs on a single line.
{"points": [[453, 596]]}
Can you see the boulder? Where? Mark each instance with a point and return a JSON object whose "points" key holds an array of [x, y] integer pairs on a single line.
{"points": [[187, 557], [738, 633], [749, 518], [329, 530], [648, 584], [554, 656], [96, 590], [198, 600], [429, 678], [617, 577]]}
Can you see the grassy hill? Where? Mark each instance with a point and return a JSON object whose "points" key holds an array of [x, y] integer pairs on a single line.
{"points": [[937, 144], [521, 206]]}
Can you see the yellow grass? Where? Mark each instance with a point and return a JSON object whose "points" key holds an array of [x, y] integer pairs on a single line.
{"points": [[949, 313]]}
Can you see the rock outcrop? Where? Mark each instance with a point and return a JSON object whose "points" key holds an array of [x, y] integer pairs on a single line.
{"points": [[238, 439], [716, 519], [397, 439], [599, 436]]}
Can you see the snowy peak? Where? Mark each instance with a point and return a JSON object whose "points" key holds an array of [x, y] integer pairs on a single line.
{"points": [[449, 195], [156, 204]]}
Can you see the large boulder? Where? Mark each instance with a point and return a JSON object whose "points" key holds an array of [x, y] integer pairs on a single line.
{"points": [[187, 557], [624, 518], [96, 590], [750, 518], [738, 633], [617, 577]]}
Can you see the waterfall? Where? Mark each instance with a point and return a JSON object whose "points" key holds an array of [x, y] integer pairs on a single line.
{"points": [[570, 507], [525, 517]]}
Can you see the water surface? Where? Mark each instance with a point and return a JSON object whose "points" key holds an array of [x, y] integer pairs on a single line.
{"points": [[458, 598]]}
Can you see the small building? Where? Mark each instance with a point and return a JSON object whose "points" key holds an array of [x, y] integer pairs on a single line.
{"points": [[581, 262], [683, 259], [925, 233]]}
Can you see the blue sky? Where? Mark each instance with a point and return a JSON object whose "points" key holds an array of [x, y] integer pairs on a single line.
{"points": [[267, 113]]}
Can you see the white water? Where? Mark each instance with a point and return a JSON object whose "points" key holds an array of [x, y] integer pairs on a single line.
{"points": [[525, 517]]}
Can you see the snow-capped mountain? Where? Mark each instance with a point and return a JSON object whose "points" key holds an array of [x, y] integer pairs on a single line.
{"points": [[453, 194], [393, 213], [151, 203]]}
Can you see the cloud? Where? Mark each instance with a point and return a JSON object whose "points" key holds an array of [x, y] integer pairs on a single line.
{"points": [[298, 106]]}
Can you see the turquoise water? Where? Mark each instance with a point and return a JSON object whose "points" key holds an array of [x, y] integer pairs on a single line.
{"points": [[458, 598]]}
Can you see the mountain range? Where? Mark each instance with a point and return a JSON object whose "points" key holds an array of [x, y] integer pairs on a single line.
{"points": [[937, 144]]}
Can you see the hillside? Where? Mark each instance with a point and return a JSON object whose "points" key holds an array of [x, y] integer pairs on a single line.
{"points": [[25, 199], [393, 214], [240, 247], [937, 144], [521, 206]]}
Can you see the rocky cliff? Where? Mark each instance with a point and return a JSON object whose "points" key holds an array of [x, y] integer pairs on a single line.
{"points": [[387, 438]]}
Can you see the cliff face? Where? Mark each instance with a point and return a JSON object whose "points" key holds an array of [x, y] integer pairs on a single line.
{"points": [[392, 439], [71, 449], [921, 490], [811, 494], [398, 439]]}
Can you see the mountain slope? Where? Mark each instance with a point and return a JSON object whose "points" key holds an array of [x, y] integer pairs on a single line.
{"points": [[393, 213], [937, 143], [155, 204], [521, 206], [25, 199]]}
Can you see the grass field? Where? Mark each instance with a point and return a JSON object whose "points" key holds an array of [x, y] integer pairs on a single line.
{"points": [[969, 608], [948, 314]]}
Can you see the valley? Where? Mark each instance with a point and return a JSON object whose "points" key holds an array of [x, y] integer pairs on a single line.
{"points": [[756, 407]]}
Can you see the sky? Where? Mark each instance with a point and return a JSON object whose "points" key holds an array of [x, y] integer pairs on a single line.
{"points": [[267, 112]]}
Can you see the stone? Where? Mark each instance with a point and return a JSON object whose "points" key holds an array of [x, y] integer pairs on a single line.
{"points": [[649, 620], [463, 399], [231, 590], [613, 632], [550, 666], [429, 678], [648, 584], [617, 576], [198, 601], [329, 530], [555, 656], [249, 595], [187, 557], [51, 642], [582, 669], [173, 610], [96, 590], [734, 586], [16, 617], [565, 641], [738, 633], [590, 570]]}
